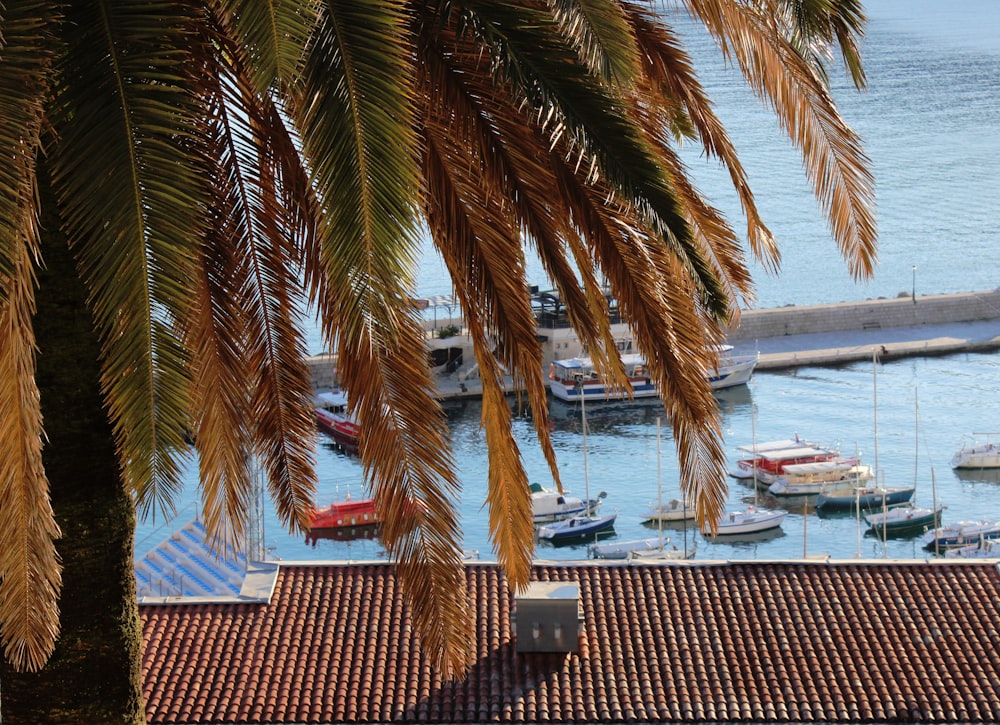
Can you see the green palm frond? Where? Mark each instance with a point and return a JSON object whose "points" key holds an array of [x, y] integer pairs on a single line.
{"points": [[272, 35], [605, 42], [133, 207]]}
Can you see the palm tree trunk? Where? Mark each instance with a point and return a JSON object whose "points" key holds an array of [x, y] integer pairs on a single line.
{"points": [[95, 675]]}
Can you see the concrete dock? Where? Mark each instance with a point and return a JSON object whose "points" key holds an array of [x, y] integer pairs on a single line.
{"points": [[830, 335], [838, 334]]}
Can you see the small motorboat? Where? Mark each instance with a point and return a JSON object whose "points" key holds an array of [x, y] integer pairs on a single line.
{"points": [[577, 527], [905, 519], [978, 455], [349, 513], [748, 521], [961, 533]]}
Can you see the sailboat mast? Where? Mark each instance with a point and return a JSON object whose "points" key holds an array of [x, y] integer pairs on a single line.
{"points": [[586, 471], [659, 485]]}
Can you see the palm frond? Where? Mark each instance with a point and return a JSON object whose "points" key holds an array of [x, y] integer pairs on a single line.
{"points": [[29, 566], [272, 34], [669, 81], [603, 39], [25, 77], [533, 56], [835, 161], [132, 191], [355, 115], [815, 26]]}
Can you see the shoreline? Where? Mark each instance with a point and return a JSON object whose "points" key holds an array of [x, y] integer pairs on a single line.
{"points": [[818, 335]]}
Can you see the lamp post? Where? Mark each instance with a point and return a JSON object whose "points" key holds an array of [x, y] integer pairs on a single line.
{"points": [[914, 293]]}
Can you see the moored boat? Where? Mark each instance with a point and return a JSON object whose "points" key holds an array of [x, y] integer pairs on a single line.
{"points": [[808, 479], [335, 419], [676, 509], [864, 498], [577, 527], [978, 455], [983, 549], [345, 514], [623, 549], [576, 378], [548, 506], [905, 519], [766, 465], [961, 533], [748, 521]]}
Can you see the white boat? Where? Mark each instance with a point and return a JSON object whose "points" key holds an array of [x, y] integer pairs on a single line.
{"points": [[904, 519], [548, 506], [985, 549], [575, 378], [978, 455], [767, 466], [623, 549], [961, 533], [676, 509], [808, 479], [747, 521], [662, 553], [582, 525]]}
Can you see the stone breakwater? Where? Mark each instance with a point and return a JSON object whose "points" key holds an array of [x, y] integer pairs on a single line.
{"points": [[838, 334], [868, 315]]}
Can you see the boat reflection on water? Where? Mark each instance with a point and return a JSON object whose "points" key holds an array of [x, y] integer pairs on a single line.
{"points": [[343, 533], [977, 475]]}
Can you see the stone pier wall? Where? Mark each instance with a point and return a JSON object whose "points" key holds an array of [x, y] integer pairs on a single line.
{"points": [[867, 315]]}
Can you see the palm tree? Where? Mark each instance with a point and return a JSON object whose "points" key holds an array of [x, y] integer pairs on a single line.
{"points": [[182, 179]]}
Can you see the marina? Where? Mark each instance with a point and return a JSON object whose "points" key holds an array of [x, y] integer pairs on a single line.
{"points": [[930, 87], [830, 406]]}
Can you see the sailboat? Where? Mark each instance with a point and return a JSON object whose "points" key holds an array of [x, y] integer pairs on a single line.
{"points": [[751, 519], [870, 496], [644, 549], [907, 519], [583, 525]]}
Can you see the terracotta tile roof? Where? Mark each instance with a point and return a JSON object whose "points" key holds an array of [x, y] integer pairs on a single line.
{"points": [[723, 642]]}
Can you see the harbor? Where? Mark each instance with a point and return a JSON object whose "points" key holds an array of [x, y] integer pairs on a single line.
{"points": [[831, 404]]}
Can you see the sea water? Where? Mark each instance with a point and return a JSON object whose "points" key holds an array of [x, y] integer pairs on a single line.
{"points": [[929, 121]]}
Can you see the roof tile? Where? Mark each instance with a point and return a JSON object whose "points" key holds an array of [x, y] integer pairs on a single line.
{"points": [[739, 642]]}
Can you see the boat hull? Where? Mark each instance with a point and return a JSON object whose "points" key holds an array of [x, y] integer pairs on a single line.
{"points": [[985, 456], [673, 510], [345, 514], [751, 521], [867, 499], [577, 527], [963, 533], [901, 522]]}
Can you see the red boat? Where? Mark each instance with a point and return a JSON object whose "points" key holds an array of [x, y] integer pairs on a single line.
{"points": [[345, 514], [333, 418]]}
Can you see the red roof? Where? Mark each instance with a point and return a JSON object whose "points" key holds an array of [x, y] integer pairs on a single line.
{"points": [[695, 642]]}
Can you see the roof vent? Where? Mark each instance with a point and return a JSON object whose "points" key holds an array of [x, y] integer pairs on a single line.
{"points": [[547, 617]]}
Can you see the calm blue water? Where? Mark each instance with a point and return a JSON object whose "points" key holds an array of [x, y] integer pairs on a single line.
{"points": [[929, 121]]}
